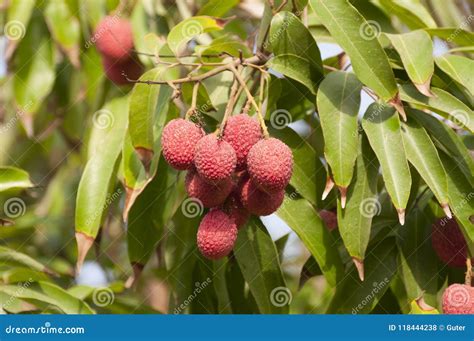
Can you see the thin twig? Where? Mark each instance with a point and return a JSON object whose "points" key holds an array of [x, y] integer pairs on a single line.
{"points": [[192, 108], [230, 104]]}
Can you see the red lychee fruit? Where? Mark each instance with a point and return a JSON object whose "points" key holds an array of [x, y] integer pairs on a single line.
{"points": [[178, 142], [215, 159], [259, 202], [242, 132], [458, 299], [329, 218], [114, 38], [237, 211], [116, 70], [216, 234], [449, 243], [270, 164], [209, 194]]}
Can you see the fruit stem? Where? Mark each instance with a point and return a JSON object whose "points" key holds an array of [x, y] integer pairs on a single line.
{"points": [[192, 108], [252, 100], [234, 92]]}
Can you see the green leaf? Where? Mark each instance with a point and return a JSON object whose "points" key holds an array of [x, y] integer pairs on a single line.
{"points": [[18, 16], [258, 260], [34, 76], [10, 256], [219, 282], [419, 263], [416, 51], [459, 68], [223, 44], [217, 8], [417, 310], [105, 145], [306, 165], [190, 28], [14, 178], [368, 59], [423, 156], [412, 12], [314, 235], [382, 127], [152, 211], [355, 220], [338, 104], [45, 294], [288, 35], [148, 103], [65, 28], [453, 35], [355, 297], [447, 140], [442, 103], [460, 198], [297, 68]]}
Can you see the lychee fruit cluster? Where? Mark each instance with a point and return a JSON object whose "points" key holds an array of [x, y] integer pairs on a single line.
{"points": [[234, 174], [458, 299], [114, 39], [449, 243]]}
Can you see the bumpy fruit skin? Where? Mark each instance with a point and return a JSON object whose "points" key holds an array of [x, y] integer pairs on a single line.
{"points": [[114, 38], [242, 132], [449, 243], [458, 299], [215, 159], [115, 70], [270, 164], [209, 194], [178, 142], [259, 202], [216, 234], [329, 218]]}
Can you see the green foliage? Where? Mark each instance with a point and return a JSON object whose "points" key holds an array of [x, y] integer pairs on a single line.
{"points": [[81, 156]]}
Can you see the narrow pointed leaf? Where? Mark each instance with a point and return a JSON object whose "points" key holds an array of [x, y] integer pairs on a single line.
{"points": [[446, 139], [186, 30], [306, 165], [355, 220], [453, 35], [416, 51], [10, 256], [354, 297], [314, 235], [297, 68], [14, 178], [258, 260], [460, 198], [217, 8], [382, 126], [152, 211], [367, 56], [338, 103], [422, 154], [18, 16], [412, 12], [65, 28], [459, 68], [93, 196], [442, 103], [418, 261], [288, 35]]}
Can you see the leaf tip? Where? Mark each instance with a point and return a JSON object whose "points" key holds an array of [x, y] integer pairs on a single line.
{"points": [[327, 188], [131, 195], [359, 264], [84, 243], [401, 216], [343, 191], [145, 156], [396, 102], [137, 271], [27, 122], [447, 210], [424, 88]]}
